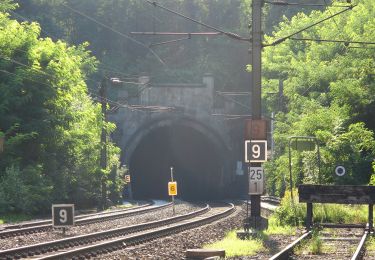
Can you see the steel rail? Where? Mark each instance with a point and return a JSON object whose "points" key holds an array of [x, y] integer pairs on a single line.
{"points": [[83, 221], [116, 244], [55, 245], [361, 246], [80, 216], [288, 250]]}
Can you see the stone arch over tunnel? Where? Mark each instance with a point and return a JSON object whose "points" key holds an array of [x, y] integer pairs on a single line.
{"points": [[195, 151]]}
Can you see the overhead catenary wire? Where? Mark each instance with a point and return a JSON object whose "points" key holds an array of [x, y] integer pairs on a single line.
{"points": [[278, 41], [285, 3], [230, 34], [333, 41], [27, 20], [116, 31], [334, 20], [234, 101], [101, 63], [138, 108]]}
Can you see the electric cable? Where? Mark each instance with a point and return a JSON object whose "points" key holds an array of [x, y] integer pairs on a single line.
{"points": [[230, 34], [336, 41], [278, 41], [115, 31], [101, 63], [91, 93], [334, 20]]}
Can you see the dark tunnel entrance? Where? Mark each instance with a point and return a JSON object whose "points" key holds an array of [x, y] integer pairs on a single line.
{"points": [[197, 164]]}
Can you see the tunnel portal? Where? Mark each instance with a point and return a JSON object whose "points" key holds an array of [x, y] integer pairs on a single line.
{"points": [[197, 164]]}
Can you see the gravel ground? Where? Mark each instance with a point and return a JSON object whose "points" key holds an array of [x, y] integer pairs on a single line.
{"points": [[181, 208], [369, 255], [174, 247]]}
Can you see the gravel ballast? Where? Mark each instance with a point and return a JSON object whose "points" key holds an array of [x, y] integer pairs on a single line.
{"points": [[22, 240]]}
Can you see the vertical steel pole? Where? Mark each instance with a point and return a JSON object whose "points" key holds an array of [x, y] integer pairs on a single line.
{"points": [[130, 186], [174, 211], [256, 107], [371, 217], [103, 141]]}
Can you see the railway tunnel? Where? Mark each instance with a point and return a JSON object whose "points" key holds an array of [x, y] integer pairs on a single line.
{"points": [[195, 155]]}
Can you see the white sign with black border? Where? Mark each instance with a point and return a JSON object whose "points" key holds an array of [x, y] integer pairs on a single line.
{"points": [[256, 180], [62, 215], [255, 151], [340, 170]]}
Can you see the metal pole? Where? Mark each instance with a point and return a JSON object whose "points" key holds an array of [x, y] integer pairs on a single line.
{"points": [[103, 141], [2, 141], [290, 171], [174, 211], [256, 108], [272, 130], [130, 186]]}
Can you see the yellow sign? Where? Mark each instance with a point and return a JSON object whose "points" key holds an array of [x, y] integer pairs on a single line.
{"points": [[172, 188], [127, 178]]}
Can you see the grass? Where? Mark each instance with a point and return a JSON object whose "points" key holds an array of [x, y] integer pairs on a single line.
{"points": [[336, 213], [370, 244], [235, 247], [316, 244], [275, 228], [13, 218], [292, 213]]}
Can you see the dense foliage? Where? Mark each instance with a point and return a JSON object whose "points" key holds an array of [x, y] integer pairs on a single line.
{"points": [[51, 125], [107, 25], [329, 93]]}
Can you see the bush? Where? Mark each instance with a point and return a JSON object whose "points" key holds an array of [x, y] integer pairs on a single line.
{"points": [[290, 212], [24, 191]]}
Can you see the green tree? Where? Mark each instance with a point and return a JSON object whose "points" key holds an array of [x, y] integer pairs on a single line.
{"points": [[328, 90], [51, 124]]}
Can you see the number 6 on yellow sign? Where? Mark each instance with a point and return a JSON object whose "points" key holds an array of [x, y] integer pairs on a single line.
{"points": [[172, 188]]}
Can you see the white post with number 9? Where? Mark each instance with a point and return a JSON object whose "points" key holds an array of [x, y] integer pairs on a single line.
{"points": [[256, 180], [62, 215]]}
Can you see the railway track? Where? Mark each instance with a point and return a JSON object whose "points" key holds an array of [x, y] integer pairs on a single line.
{"points": [[338, 243], [80, 216], [102, 242], [42, 226]]}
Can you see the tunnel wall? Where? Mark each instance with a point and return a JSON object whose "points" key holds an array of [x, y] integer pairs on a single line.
{"points": [[195, 110]]}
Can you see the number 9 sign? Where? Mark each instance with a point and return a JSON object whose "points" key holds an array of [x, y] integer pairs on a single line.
{"points": [[62, 215], [255, 151]]}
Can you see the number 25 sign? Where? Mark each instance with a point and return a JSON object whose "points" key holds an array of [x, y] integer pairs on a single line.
{"points": [[255, 151], [256, 180]]}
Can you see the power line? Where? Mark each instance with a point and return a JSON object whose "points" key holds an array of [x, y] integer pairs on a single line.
{"points": [[101, 63], [308, 27], [334, 20], [131, 107], [336, 41], [285, 3], [14, 74], [230, 34], [27, 20], [115, 31], [234, 101]]}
